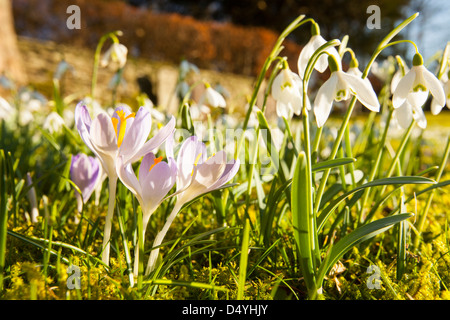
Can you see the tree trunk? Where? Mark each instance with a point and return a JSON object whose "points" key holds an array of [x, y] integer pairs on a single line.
{"points": [[10, 60]]}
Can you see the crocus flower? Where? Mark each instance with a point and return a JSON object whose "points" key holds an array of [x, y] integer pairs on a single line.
{"points": [[340, 86], [156, 178], [308, 50], [85, 173], [287, 90], [415, 86], [116, 53], [197, 175], [122, 135]]}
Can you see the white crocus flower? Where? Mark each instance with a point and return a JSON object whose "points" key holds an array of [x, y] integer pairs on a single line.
{"points": [[415, 86], [308, 50], [340, 86], [287, 90]]}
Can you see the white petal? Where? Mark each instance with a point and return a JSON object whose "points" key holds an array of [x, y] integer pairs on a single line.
{"points": [[435, 87], [284, 110], [324, 100], [363, 90], [419, 116], [403, 88], [404, 115]]}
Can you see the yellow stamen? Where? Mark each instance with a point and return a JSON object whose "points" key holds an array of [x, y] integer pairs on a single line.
{"points": [[120, 132], [155, 162], [196, 162]]}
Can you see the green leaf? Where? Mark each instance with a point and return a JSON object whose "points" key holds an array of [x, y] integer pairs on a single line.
{"points": [[302, 214], [331, 164], [359, 235], [380, 182]]}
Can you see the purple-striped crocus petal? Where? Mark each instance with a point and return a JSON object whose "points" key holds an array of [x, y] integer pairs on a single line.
{"points": [[147, 162], [206, 176], [230, 171], [128, 178], [83, 124], [192, 153], [104, 142], [155, 141], [84, 172], [136, 133], [156, 184]]}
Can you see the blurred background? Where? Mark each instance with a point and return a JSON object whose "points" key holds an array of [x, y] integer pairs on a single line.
{"points": [[225, 36]]}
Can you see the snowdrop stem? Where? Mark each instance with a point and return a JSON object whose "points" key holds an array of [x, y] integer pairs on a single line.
{"points": [[312, 219], [375, 167], [334, 151], [98, 50], [108, 222], [160, 237], [383, 44]]}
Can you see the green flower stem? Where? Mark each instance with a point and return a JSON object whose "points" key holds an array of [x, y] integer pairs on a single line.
{"points": [[423, 216], [375, 167], [113, 36], [112, 183], [383, 44]]}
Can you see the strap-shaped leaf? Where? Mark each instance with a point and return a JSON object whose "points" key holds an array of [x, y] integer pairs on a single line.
{"points": [[361, 234], [380, 182]]}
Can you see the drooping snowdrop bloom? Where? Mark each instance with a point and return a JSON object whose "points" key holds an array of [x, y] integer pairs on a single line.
{"points": [[156, 178], [340, 86], [308, 50], [406, 113], [53, 123], [6, 111], [34, 212], [85, 173], [197, 175], [435, 107], [116, 53], [122, 135], [287, 90], [416, 85], [212, 98]]}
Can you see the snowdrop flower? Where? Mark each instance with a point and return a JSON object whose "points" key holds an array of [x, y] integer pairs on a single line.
{"points": [[33, 200], [340, 86], [308, 50], [85, 173], [197, 175], [122, 135], [116, 53], [212, 98], [435, 107], [53, 123], [415, 86], [407, 113], [287, 90], [156, 178], [6, 111]]}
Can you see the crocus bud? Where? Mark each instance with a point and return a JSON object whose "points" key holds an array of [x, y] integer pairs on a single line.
{"points": [[84, 172]]}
